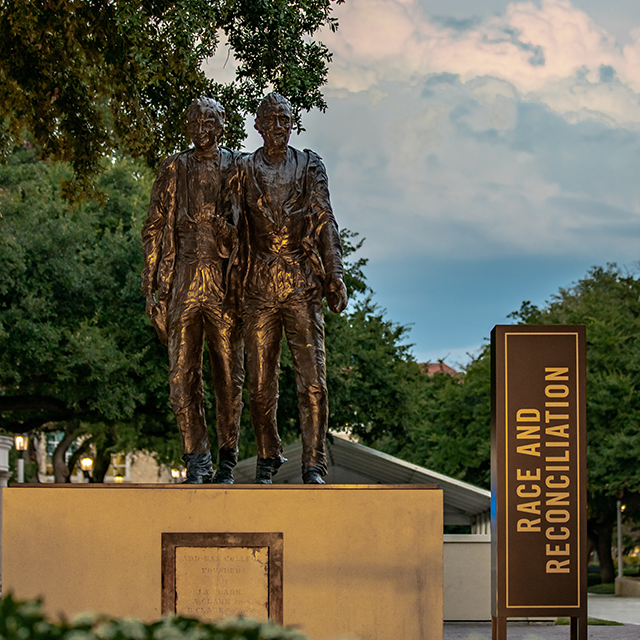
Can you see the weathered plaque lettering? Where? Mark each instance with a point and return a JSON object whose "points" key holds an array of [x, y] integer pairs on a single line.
{"points": [[539, 472], [212, 576], [222, 582]]}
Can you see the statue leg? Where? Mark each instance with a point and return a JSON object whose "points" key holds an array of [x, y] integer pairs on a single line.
{"points": [[185, 333], [304, 328], [263, 339], [226, 356]]}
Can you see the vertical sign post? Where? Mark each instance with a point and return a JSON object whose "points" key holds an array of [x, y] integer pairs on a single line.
{"points": [[538, 475]]}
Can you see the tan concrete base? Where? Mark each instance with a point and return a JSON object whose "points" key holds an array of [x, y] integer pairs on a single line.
{"points": [[628, 587], [358, 561]]}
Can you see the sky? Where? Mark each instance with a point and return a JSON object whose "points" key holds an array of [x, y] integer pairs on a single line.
{"points": [[488, 152]]}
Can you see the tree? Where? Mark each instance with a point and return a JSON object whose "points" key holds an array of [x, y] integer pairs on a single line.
{"points": [[76, 351], [88, 77], [78, 355], [607, 301], [453, 435]]}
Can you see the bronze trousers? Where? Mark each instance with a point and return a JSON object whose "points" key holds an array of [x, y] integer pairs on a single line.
{"points": [[303, 325], [189, 322]]}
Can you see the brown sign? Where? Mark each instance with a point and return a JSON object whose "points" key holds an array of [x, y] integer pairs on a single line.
{"points": [[212, 576], [539, 471]]}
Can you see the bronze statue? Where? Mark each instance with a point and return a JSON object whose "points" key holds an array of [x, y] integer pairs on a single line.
{"points": [[190, 246], [294, 257]]}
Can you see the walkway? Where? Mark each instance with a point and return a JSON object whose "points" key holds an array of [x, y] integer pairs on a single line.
{"points": [[625, 610]]}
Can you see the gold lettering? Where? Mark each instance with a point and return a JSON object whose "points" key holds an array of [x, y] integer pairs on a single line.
{"points": [[563, 535], [528, 415], [529, 432], [556, 391], [556, 404], [531, 507], [557, 515], [557, 499], [529, 449], [522, 493], [556, 468], [528, 525], [563, 483], [526, 474], [559, 431], [564, 458], [556, 444], [548, 416], [556, 373], [558, 566], [558, 550]]}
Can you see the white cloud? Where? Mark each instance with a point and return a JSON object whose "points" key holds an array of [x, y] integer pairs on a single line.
{"points": [[554, 53]]}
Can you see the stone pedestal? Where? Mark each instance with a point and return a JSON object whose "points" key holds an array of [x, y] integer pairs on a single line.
{"points": [[355, 561]]}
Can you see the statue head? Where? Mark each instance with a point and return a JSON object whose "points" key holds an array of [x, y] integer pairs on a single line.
{"points": [[274, 120], [205, 123]]}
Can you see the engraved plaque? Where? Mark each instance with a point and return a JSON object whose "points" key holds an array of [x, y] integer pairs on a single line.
{"points": [[222, 582], [212, 576]]}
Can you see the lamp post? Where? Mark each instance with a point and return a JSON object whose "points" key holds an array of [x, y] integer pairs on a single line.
{"points": [[620, 509], [22, 443], [175, 474], [86, 464]]}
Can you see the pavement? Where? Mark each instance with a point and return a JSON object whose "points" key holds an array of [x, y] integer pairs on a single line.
{"points": [[603, 607]]}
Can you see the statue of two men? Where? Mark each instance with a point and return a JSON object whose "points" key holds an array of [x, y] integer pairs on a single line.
{"points": [[239, 248]]}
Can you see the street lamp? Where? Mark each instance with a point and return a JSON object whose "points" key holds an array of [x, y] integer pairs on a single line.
{"points": [[22, 443], [175, 474], [86, 464]]}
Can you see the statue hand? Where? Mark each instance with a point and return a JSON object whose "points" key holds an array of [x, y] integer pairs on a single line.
{"points": [[157, 312], [336, 294]]}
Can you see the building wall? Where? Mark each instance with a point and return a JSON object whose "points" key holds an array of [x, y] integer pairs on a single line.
{"points": [[467, 577]]}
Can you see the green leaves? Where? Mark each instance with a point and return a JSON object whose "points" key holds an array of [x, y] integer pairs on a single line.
{"points": [[74, 340], [24, 621], [90, 77]]}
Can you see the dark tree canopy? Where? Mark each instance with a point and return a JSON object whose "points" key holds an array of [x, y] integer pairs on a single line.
{"points": [[87, 77]]}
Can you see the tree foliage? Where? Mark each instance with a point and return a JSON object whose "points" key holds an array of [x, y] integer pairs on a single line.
{"points": [[607, 301], [78, 355], [87, 77], [454, 434], [76, 351]]}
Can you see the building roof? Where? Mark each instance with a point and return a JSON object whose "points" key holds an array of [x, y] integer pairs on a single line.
{"points": [[353, 463], [431, 368]]}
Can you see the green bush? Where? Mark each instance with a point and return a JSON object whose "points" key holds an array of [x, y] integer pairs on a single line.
{"points": [[25, 621]]}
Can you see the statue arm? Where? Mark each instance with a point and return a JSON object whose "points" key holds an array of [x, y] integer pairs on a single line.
{"points": [[327, 236], [162, 198]]}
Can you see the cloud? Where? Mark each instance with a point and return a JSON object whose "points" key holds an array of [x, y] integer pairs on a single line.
{"points": [[554, 53]]}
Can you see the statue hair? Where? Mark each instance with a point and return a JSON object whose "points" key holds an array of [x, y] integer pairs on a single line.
{"points": [[210, 105], [269, 102]]}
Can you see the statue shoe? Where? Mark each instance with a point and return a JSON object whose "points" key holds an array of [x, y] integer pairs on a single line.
{"points": [[312, 475], [266, 468], [199, 468], [224, 472]]}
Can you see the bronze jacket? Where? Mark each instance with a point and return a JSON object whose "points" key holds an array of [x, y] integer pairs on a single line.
{"points": [[290, 247], [169, 212]]}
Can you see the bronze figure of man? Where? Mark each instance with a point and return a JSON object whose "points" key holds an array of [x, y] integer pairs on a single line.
{"points": [[294, 257], [190, 244]]}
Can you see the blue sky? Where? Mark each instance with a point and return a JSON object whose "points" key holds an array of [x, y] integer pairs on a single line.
{"points": [[488, 151]]}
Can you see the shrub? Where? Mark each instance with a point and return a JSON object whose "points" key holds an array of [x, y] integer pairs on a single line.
{"points": [[25, 621]]}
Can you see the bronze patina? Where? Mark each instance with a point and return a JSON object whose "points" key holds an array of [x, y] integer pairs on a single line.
{"points": [[294, 257], [190, 246], [252, 239]]}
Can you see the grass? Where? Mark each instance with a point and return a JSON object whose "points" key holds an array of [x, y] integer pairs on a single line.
{"points": [[608, 588], [596, 622]]}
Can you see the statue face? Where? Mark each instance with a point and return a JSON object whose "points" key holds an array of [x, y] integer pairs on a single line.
{"points": [[204, 131], [275, 126]]}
